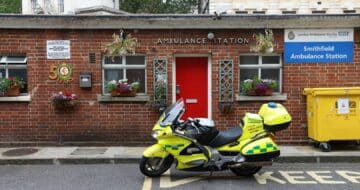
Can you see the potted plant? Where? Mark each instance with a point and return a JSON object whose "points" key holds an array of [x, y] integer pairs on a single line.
{"points": [[264, 42], [225, 107], [64, 100], [10, 86], [122, 88], [258, 87], [122, 44]]}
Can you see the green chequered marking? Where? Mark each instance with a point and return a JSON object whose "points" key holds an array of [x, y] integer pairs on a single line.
{"points": [[268, 147], [174, 147]]}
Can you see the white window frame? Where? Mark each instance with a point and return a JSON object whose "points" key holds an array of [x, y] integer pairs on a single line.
{"points": [[4, 64], [34, 5], [261, 66], [123, 66], [61, 6]]}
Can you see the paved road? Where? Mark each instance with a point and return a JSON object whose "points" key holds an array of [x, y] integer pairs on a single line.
{"points": [[127, 177]]}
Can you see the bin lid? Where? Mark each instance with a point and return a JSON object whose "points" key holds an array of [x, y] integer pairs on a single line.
{"points": [[332, 91]]}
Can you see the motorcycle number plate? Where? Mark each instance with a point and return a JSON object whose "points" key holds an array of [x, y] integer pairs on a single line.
{"points": [[191, 100]]}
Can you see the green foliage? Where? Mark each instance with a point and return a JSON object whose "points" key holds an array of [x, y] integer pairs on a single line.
{"points": [[258, 86], [10, 6], [263, 41], [120, 46], [158, 6], [7, 83]]}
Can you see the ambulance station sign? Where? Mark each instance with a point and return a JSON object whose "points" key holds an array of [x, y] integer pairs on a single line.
{"points": [[319, 45], [58, 49]]}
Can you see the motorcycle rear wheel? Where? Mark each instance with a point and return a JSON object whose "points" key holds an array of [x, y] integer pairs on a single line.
{"points": [[246, 170], [155, 166]]}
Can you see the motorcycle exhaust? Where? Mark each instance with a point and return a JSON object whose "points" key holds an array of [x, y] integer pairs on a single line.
{"points": [[267, 163]]}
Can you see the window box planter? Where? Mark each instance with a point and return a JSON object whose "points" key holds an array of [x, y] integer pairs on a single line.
{"points": [[13, 91], [115, 93]]}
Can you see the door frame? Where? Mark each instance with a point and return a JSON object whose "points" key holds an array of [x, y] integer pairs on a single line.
{"points": [[209, 77]]}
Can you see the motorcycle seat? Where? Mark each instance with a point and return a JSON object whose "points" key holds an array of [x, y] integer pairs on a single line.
{"points": [[225, 137]]}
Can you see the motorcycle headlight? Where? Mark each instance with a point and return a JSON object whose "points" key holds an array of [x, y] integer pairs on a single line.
{"points": [[155, 134]]}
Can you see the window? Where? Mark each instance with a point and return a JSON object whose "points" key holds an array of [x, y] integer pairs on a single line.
{"points": [[14, 66], [131, 67], [34, 5], [262, 67], [61, 6]]}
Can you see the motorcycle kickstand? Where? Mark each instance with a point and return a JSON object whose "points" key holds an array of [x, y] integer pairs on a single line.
{"points": [[211, 173]]}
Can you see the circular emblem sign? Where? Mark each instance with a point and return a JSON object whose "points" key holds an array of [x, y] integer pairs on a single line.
{"points": [[61, 72]]}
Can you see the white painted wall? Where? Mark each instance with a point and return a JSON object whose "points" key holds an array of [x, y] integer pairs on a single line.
{"points": [[69, 5], [278, 6]]}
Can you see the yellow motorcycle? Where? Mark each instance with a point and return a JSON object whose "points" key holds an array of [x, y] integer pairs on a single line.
{"points": [[198, 146]]}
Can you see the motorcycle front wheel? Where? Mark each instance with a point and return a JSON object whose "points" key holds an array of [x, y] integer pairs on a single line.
{"points": [[246, 170], [155, 166]]}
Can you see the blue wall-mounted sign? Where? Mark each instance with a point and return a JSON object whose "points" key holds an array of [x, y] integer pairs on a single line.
{"points": [[319, 45]]}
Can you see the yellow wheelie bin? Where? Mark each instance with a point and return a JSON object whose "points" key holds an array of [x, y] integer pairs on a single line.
{"points": [[333, 114]]}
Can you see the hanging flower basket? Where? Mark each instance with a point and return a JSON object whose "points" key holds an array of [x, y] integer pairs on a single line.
{"points": [[264, 42], [225, 107], [122, 44], [64, 101]]}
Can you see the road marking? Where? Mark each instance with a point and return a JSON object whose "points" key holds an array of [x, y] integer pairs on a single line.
{"points": [[350, 175], [262, 179], [323, 178], [165, 180], [295, 179], [147, 183]]}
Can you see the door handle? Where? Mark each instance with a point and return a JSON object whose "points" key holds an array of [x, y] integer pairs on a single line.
{"points": [[177, 89]]}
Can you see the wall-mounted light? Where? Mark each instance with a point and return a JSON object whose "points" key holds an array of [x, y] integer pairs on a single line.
{"points": [[210, 36]]}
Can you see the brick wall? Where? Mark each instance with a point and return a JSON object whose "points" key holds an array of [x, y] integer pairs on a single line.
{"points": [[131, 123]]}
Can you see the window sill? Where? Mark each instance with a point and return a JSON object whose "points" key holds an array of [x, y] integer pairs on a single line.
{"points": [[275, 97], [25, 98], [138, 98]]}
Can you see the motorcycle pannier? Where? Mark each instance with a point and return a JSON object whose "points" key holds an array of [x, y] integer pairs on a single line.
{"points": [[275, 117]]}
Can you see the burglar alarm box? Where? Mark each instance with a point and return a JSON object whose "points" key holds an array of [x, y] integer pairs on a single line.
{"points": [[85, 80]]}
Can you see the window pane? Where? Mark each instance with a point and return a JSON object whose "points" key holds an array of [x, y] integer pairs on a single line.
{"points": [[2, 73], [271, 60], [17, 59], [135, 60], [112, 74], [115, 60], [273, 74], [134, 75], [249, 60], [248, 74], [22, 75], [61, 6]]}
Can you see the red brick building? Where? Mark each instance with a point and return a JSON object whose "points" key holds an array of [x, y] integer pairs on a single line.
{"points": [[222, 45]]}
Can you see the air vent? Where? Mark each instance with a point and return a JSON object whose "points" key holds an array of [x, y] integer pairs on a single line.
{"points": [[241, 12], [319, 12], [288, 12], [259, 12], [349, 11], [92, 58]]}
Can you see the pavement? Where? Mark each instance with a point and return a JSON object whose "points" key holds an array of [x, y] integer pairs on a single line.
{"points": [[122, 154]]}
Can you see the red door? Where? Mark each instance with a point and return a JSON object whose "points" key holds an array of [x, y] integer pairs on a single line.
{"points": [[192, 85]]}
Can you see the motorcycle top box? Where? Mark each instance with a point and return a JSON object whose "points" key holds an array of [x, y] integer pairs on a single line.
{"points": [[275, 117]]}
